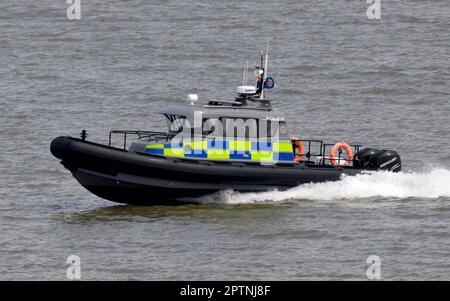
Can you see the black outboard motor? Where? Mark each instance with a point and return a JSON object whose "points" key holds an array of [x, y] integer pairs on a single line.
{"points": [[375, 159]]}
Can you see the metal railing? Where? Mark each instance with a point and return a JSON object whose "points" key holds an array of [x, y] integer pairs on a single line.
{"points": [[150, 136], [319, 149], [312, 148]]}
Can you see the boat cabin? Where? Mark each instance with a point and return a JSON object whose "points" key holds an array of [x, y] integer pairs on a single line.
{"points": [[244, 129], [224, 130]]}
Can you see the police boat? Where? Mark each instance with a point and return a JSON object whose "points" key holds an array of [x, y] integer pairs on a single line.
{"points": [[241, 144]]}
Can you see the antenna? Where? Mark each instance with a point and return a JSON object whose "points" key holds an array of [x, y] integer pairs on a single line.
{"points": [[265, 69], [245, 78], [246, 74], [262, 59]]}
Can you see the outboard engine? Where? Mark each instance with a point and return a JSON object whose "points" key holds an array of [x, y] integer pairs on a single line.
{"points": [[375, 159]]}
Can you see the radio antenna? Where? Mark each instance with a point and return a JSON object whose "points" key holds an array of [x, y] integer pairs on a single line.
{"points": [[264, 76]]}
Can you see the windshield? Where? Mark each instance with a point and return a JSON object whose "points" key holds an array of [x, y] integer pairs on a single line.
{"points": [[175, 123]]}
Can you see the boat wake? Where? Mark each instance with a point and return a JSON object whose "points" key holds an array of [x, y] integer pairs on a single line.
{"points": [[430, 184]]}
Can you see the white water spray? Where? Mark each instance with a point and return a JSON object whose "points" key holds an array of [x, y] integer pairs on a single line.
{"points": [[432, 184]]}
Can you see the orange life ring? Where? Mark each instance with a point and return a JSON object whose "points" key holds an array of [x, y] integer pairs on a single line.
{"points": [[301, 150], [338, 146]]}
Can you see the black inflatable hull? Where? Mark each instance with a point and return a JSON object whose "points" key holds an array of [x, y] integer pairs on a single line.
{"points": [[125, 177]]}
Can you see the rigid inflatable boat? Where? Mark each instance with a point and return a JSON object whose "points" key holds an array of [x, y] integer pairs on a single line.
{"points": [[241, 144]]}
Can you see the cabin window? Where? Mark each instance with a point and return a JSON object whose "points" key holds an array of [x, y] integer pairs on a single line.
{"points": [[269, 128], [175, 122], [212, 127], [245, 128]]}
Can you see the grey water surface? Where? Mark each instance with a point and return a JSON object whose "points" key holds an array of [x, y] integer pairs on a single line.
{"points": [[340, 76]]}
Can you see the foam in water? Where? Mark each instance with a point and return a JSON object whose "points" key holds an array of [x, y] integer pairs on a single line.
{"points": [[431, 184]]}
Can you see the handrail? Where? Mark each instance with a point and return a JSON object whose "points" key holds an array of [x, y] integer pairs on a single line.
{"points": [[323, 150], [308, 153], [151, 135], [309, 150]]}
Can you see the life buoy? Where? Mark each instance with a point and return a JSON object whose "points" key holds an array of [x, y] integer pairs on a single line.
{"points": [[301, 150], [338, 146]]}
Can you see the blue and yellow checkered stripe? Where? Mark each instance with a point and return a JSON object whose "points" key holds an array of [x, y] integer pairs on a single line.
{"points": [[226, 150]]}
